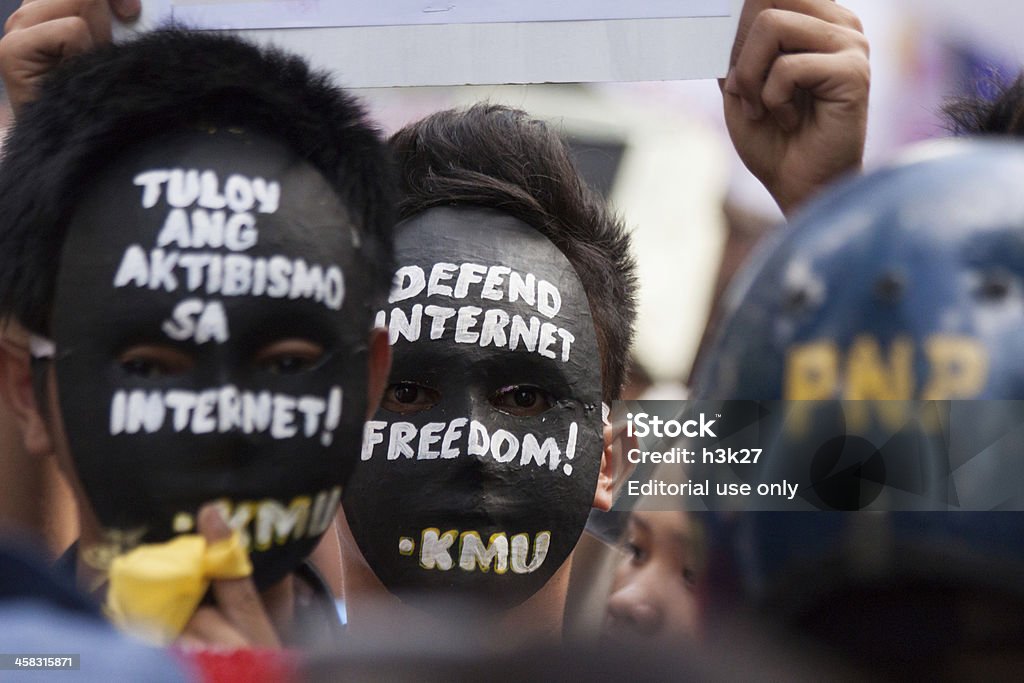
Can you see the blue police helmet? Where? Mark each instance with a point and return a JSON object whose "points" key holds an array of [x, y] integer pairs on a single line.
{"points": [[904, 283]]}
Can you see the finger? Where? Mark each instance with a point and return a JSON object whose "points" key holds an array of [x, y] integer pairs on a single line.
{"points": [[46, 42], [825, 10], [28, 55], [237, 599], [837, 78], [788, 113], [778, 33], [126, 10], [95, 13], [209, 627], [32, 12], [189, 642]]}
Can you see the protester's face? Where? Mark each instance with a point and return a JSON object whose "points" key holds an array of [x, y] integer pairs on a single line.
{"points": [[209, 345], [655, 592], [479, 471]]}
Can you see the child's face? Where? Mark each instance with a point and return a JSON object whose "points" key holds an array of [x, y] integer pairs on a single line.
{"points": [[478, 473], [207, 346], [655, 592]]}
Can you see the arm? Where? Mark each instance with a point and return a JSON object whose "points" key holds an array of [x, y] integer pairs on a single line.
{"points": [[796, 96], [43, 33]]}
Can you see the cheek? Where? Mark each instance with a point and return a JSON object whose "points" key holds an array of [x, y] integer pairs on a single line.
{"points": [[54, 421], [682, 608], [59, 441]]}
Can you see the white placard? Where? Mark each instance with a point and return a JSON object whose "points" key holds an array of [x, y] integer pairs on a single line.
{"points": [[253, 14], [591, 40]]}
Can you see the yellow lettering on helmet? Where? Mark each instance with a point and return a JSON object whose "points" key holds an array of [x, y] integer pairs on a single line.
{"points": [[870, 377], [811, 374], [959, 367], [876, 382]]}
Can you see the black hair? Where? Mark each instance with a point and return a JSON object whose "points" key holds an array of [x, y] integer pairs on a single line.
{"points": [[1000, 115], [497, 157], [95, 105]]}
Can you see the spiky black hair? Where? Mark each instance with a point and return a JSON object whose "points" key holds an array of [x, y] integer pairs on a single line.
{"points": [[120, 95], [497, 157], [1002, 114]]}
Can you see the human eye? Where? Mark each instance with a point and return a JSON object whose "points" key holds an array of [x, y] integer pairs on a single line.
{"points": [[409, 397], [690, 577], [522, 400], [637, 551], [289, 356], [637, 543], [150, 361]]}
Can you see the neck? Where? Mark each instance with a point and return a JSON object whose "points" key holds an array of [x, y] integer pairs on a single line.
{"points": [[370, 606]]}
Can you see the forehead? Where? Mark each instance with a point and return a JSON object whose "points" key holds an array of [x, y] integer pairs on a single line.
{"points": [[206, 216], [482, 292], [204, 190], [468, 235], [675, 523]]}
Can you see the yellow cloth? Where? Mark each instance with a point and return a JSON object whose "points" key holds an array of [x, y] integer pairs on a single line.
{"points": [[155, 588]]}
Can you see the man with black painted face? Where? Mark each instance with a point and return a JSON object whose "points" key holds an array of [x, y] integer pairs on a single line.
{"points": [[198, 268], [509, 319], [480, 469]]}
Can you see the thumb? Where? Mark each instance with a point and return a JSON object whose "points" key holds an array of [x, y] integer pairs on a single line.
{"points": [[126, 10], [237, 599]]}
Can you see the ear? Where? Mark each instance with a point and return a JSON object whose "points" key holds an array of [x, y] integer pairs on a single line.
{"points": [[379, 368], [615, 467], [17, 394]]}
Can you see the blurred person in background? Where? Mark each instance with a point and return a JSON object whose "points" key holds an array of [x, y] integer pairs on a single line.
{"points": [[656, 594]]}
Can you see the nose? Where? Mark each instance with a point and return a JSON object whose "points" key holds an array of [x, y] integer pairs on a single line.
{"points": [[637, 607], [487, 444]]}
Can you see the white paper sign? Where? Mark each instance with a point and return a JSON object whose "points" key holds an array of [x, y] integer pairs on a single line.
{"points": [[247, 14], [383, 43]]}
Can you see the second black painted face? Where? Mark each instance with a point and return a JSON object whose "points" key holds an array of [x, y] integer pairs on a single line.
{"points": [[478, 473], [210, 326]]}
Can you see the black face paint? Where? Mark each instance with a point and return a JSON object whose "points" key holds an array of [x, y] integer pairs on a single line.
{"points": [[478, 473], [208, 347]]}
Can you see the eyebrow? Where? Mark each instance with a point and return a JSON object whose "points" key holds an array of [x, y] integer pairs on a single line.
{"points": [[636, 521]]}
